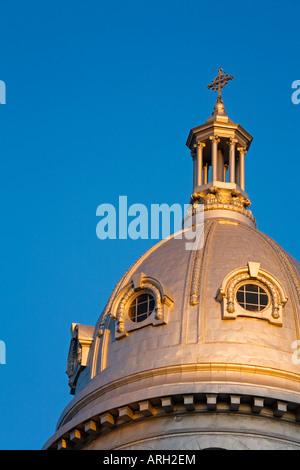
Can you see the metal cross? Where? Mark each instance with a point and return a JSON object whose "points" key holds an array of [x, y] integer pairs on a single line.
{"points": [[219, 82]]}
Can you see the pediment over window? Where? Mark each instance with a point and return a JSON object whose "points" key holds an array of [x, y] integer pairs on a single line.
{"points": [[252, 292]]}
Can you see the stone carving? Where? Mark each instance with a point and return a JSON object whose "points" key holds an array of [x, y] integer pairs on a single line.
{"points": [[72, 361], [140, 283], [121, 309], [157, 297], [216, 198], [238, 277], [82, 337]]}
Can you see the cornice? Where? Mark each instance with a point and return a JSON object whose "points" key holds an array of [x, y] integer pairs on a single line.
{"points": [[278, 384], [76, 433]]}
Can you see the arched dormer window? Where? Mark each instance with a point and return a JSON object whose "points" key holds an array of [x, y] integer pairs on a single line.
{"points": [[141, 307], [143, 301], [252, 292], [252, 296]]}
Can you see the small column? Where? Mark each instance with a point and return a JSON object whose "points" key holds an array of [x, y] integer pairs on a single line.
{"points": [[220, 165], [214, 157], [242, 152], [199, 146], [194, 157], [205, 173], [237, 171], [232, 143]]}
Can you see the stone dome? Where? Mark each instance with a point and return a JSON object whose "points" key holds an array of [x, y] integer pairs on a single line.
{"points": [[196, 354], [214, 362]]}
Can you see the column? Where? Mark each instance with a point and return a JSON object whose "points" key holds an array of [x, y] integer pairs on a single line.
{"points": [[242, 152], [220, 165], [232, 143], [194, 170], [205, 173], [237, 171], [200, 146], [214, 157]]}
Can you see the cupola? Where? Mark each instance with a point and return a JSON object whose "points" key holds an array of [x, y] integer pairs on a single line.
{"points": [[218, 149]]}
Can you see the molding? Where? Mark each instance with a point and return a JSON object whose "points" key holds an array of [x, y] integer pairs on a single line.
{"points": [[183, 404], [208, 369], [197, 265]]}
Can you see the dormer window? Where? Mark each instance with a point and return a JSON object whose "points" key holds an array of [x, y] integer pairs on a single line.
{"points": [[142, 302], [141, 307], [252, 292], [252, 297]]}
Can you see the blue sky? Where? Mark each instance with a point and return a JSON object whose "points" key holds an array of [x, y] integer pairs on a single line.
{"points": [[101, 96]]}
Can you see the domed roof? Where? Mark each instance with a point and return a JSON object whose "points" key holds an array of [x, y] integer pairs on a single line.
{"points": [[195, 348], [224, 320]]}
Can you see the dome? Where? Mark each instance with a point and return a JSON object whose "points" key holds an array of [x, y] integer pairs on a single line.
{"points": [[195, 348]]}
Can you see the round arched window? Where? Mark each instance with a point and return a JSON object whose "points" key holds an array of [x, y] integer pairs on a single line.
{"points": [[252, 297], [141, 307]]}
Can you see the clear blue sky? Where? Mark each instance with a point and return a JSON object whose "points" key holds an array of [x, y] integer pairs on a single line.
{"points": [[101, 96]]}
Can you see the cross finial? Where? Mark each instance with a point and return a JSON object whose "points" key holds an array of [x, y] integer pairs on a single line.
{"points": [[219, 82]]}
